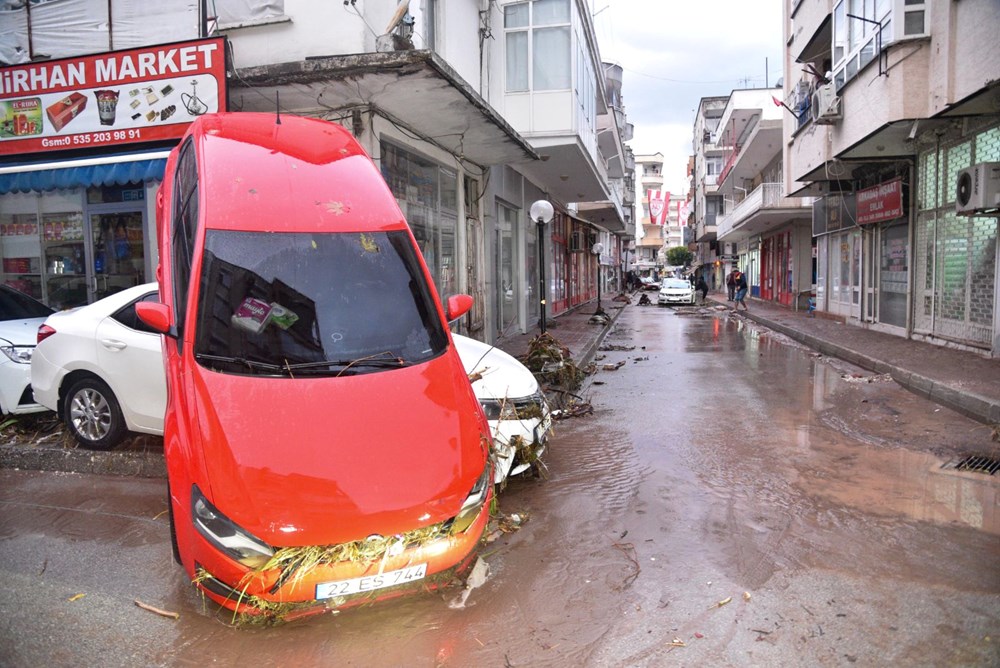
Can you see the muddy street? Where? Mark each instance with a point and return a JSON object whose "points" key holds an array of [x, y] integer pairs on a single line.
{"points": [[734, 499]]}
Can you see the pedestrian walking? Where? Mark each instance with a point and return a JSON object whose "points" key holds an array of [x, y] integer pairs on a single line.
{"points": [[740, 280], [703, 287], [731, 284]]}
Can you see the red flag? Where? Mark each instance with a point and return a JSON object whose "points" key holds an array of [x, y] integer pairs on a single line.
{"points": [[776, 101], [657, 207]]}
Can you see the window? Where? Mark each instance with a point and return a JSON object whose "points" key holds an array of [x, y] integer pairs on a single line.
{"points": [[428, 196], [235, 13], [538, 33], [281, 299], [860, 25], [185, 224], [128, 317]]}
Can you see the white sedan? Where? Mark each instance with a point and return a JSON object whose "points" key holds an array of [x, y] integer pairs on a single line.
{"points": [[514, 404], [676, 291], [101, 369], [20, 316]]}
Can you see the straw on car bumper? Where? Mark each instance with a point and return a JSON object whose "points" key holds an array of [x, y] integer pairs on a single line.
{"points": [[280, 591]]}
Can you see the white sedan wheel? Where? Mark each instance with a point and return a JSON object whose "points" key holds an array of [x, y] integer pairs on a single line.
{"points": [[93, 415]]}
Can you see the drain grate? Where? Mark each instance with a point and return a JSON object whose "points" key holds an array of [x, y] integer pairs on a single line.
{"points": [[976, 464]]}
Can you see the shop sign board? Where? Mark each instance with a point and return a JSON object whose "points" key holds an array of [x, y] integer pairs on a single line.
{"points": [[116, 98], [880, 203]]}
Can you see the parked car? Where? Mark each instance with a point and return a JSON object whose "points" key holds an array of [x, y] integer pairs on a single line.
{"points": [[20, 316], [676, 291], [514, 404], [324, 446], [101, 369], [649, 283]]}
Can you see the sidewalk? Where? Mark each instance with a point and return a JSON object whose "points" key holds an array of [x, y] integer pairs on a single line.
{"points": [[573, 330], [963, 381]]}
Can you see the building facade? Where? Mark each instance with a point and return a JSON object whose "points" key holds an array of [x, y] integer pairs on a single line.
{"points": [[771, 232], [472, 110], [712, 260], [893, 102]]}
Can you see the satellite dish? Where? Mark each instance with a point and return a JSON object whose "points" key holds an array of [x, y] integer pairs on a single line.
{"points": [[401, 10], [597, 249]]}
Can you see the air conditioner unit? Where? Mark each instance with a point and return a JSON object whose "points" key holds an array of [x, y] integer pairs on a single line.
{"points": [[977, 189], [577, 242], [825, 105]]}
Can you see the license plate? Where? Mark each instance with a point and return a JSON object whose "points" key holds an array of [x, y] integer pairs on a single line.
{"points": [[542, 430], [371, 582]]}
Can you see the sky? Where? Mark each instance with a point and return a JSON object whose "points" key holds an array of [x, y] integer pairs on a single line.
{"points": [[675, 52]]}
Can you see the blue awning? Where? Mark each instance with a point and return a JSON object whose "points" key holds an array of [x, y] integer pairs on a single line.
{"points": [[117, 173]]}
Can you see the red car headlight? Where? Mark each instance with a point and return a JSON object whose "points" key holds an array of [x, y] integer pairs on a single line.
{"points": [[226, 535]]}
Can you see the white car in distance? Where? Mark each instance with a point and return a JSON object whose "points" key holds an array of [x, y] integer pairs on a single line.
{"points": [[676, 291], [101, 369]]}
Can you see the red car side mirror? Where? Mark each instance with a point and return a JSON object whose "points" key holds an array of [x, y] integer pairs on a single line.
{"points": [[458, 305], [154, 314]]}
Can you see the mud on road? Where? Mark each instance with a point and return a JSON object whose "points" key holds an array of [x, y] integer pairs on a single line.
{"points": [[733, 499]]}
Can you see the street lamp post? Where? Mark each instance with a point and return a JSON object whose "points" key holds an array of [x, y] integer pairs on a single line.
{"points": [[597, 249], [541, 212]]}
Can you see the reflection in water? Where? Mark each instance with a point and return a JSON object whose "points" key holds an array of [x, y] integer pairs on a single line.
{"points": [[874, 471]]}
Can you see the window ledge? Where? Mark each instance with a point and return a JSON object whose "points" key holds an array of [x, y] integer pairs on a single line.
{"points": [[255, 23]]}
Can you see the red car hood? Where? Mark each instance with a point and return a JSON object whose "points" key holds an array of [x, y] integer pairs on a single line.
{"points": [[318, 461]]}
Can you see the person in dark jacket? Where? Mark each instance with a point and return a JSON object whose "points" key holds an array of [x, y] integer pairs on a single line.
{"points": [[741, 290], [731, 285], [703, 287]]}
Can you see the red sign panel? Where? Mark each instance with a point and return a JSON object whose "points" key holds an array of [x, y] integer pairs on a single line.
{"points": [[880, 203], [120, 97]]}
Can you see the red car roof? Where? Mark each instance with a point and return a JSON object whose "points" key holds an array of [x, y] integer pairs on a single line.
{"points": [[296, 175]]}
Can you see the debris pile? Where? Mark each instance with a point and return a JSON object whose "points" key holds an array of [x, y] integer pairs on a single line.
{"points": [[552, 363]]}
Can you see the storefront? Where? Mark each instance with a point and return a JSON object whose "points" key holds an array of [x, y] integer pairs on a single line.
{"points": [[882, 214], [72, 246], [83, 145], [838, 255], [955, 256], [776, 266], [427, 194], [574, 267]]}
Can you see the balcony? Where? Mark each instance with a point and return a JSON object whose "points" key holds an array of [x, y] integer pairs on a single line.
{"points": [[763, 209], [705, 230]]}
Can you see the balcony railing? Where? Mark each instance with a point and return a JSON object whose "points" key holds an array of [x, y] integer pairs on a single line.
{"points": [[766, 195], [729, 164]]}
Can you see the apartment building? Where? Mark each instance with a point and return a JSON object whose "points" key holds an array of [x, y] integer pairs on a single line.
{"points": [[712, 260], [473, 109], [771, 232], [894, 103], [650, 236]]}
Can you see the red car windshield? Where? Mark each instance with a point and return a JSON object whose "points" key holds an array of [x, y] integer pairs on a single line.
{"points": [[295, 304]]}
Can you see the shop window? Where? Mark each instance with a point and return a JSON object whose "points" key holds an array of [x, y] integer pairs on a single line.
{"points": [[427, 195]]}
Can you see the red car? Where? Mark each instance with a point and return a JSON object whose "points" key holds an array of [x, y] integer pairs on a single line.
{"points": [[323, 443]]}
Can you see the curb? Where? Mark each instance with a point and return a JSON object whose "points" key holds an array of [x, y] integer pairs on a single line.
{"points": [[135, 464]]}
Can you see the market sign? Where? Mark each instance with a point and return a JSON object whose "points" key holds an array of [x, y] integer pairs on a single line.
{"points": [[880, 203], [115, 98]]}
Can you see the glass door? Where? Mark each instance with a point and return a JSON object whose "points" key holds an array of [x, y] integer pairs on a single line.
{"points": [[119, 260], [505, 300], [64, 266]]}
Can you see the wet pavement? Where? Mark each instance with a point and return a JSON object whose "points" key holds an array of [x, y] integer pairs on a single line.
{"points": [[964, 381], [735, 499]]}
